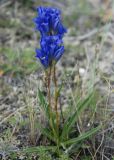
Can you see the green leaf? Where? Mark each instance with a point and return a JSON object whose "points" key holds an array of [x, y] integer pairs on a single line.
{"points": [[72, 119], [82, 137]]}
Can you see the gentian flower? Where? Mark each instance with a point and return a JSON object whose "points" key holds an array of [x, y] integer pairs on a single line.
{"points": [[51, 50], [48, 21]]}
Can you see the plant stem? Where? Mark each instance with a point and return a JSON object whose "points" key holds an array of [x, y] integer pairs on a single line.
{"points": [[49, 96], [56, 97], [48, 86]]}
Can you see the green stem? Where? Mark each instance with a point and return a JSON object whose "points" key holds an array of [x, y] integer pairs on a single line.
{"points": [[49, 98], [56, 97], [49, 90]]}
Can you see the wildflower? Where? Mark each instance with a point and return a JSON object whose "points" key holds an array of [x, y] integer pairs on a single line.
{"points": [[51, 50], [48, 21]]}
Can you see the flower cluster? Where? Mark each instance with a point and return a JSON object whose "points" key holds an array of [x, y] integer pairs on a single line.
{"points": [[48, 22]]}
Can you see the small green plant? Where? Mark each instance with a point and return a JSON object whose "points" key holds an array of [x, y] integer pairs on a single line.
{"points": [[63, 135]]}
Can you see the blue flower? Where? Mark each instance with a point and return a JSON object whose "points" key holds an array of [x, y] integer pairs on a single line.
{"points": [[51, 50], [48, 21]]}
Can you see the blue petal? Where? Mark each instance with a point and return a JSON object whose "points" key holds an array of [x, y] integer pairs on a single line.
{"points": [[45, 62], [61, 29], [40, 10], [59, 53], [42, 57], [38, 53], [48, 19]]}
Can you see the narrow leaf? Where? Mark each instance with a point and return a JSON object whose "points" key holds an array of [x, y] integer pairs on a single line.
{"points": [[72, 119], [82, 137]]}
